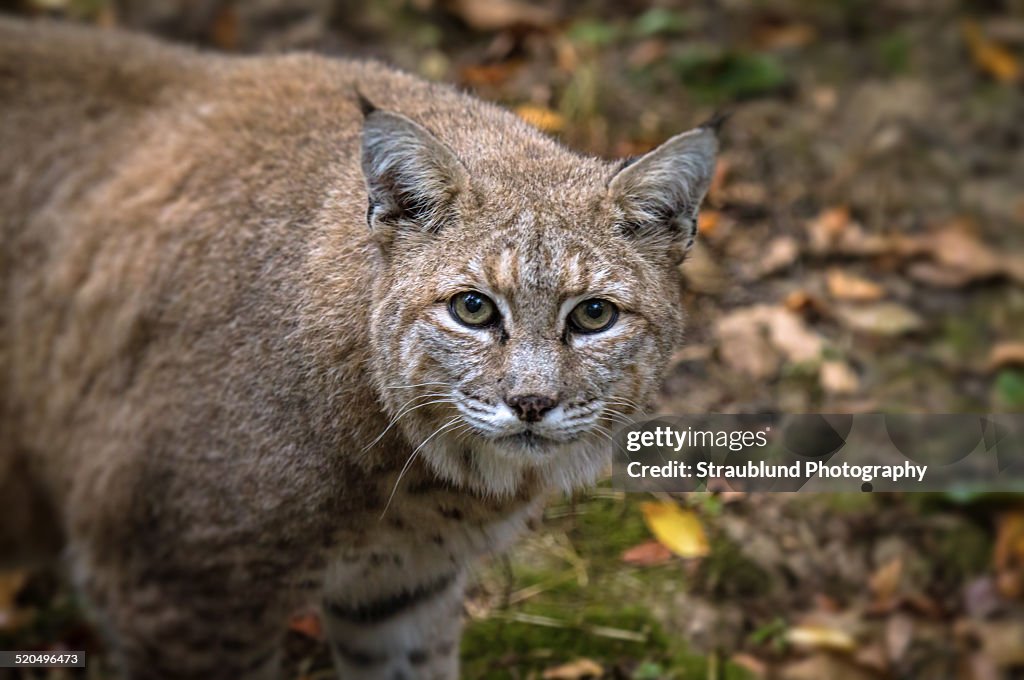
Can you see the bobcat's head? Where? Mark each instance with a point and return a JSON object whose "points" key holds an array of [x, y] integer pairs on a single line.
{"points": [[530, 297]]}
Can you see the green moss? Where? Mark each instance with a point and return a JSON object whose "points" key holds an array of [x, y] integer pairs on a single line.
{"points": [[1009, 389], [718, 76], [728, 572], [604, 527], [499, 648]]}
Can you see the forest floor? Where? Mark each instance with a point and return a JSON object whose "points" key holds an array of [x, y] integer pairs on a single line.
{"points": [[861, 250]]}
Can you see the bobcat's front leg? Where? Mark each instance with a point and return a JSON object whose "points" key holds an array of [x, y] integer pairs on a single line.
{"points": [[408, 631]]}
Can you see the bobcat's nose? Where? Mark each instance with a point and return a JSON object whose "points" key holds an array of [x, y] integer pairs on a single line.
{"points": [[530, 407]]}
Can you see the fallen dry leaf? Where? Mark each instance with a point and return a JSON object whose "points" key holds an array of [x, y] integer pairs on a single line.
{"points": [[11, 583], [785, 36], [828, 226], [751, 339], [845, 286], [899, 634], [821, 637], [708, 221], [751, 664], [542, 118], [792, 336], [676, 528], [718, 180], [834, 231], [882, 318], [1000, 640], [1006, 354], [780, 253], [959, 249], [488, 75], [647, 554], [498, 15], [989, 57], [575, 670], [308, 624], [885, 583], [823, 666], [837, 377], [1008, 554], [744, 347]]}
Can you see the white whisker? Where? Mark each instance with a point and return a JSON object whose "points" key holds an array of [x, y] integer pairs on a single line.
{"points": [[394, 421], [405, 387], [408, 462]]}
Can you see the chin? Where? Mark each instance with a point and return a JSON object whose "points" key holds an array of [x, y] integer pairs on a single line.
{"points": [[499, 465]]}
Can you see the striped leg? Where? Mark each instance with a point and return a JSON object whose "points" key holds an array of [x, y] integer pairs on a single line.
{"points": [[408, 633]]}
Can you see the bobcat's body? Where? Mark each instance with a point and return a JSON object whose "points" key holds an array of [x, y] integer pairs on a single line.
{"points": [[202, 340]]}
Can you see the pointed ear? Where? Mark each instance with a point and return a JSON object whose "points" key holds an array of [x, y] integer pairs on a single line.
{"points": [[658, 195], [412, 178]]}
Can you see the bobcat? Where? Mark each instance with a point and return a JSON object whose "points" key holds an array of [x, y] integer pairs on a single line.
{"points": [[288, 330]]}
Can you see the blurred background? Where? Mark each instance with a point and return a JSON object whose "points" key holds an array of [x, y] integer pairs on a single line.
{"points": [[862, 250]]}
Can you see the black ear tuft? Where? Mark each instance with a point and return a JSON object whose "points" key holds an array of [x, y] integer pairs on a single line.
{"points": [[716, 122], [365, 105]]}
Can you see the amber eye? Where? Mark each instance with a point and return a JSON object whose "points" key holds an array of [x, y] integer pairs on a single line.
{"points": [[473, 309], [593, 316]]}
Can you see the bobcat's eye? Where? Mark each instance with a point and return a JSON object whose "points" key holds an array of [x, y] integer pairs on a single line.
{"points": [[593, 316], [473, 309]]}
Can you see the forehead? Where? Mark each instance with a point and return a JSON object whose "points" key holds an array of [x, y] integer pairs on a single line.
{"points": [[531, 256]]}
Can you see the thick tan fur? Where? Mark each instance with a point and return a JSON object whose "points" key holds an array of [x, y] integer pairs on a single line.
{"points": [[202, 338]]}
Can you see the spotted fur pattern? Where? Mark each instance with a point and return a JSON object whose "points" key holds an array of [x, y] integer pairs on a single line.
{"points": [[231, 383]]}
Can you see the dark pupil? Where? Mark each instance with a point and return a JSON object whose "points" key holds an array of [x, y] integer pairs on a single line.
{"points": [[473, 303], [595, 310]]}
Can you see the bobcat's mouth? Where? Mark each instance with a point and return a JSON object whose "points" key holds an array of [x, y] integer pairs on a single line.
{"points": [[527, 439]]}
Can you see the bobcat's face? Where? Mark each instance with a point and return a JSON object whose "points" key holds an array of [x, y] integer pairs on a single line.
{"points": [[521, 321]]}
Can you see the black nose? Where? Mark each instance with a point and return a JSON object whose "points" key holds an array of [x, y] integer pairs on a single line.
{"points": [[531, 407]]}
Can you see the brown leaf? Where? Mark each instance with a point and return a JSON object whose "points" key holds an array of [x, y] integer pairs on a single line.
{"points": [[837, 377], [488, 75], [780, 253], [792, 336], [224, 32], [718, 180], [708, 221], [647, 52], [822, 666], [959, 249], [751, 664], [575, 670], [498, 15], [845, 286], [1008, 555], [11, 583], [828, 226], [751, 339], [1001, 641], [1006, 354], [1009, 548], [989, 57], [899, 634], [821, 637], [882, 318], [308, 624], [785, 36], [743, 345], [647, 554], [542, 118], [885, 582]]}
